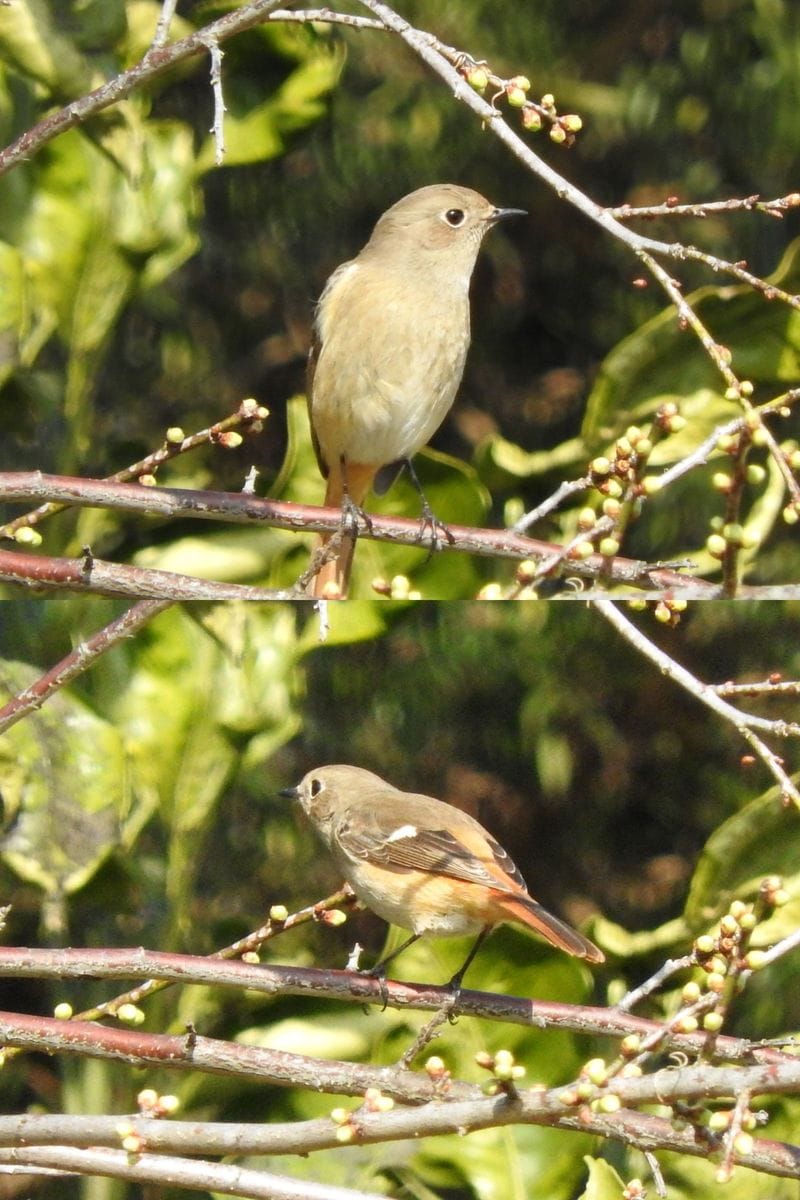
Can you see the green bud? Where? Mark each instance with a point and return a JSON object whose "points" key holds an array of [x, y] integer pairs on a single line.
{"points": [[27, 536], [478, 79], [130, 1014], [743, 1144], [596, 1070]]}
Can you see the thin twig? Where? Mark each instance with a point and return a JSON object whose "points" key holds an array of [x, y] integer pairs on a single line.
{"points": [[251, 943], [95, 577], [218, 125], [79, 660], [223, 1178], [249, 417], [664, 972], [164, 21], [774, 208], [744, 723]]}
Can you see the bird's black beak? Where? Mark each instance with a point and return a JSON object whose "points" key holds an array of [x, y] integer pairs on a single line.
{"points": [[288, 793], [500, 214]]}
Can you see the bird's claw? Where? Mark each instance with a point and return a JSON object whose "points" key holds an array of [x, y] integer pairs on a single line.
{"points": [[352, 514], [379, 972], [432, 530]]}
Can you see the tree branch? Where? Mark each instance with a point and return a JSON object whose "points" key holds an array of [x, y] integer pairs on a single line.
{"points": [[96, 577], [745, 724], [243, 509], [79, 660], [347, 986]]}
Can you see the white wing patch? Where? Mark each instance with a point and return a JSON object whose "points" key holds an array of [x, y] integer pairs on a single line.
{"points": [[405, 831]]}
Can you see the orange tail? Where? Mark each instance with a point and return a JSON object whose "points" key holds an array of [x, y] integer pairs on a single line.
{"points": [[525, 910], [333, 577]]}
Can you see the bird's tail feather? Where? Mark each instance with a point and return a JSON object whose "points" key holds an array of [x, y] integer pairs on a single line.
{"points": [[525, 910]]}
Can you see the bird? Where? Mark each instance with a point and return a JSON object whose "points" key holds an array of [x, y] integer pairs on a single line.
{"points": [[390, 338], [423, 864]]}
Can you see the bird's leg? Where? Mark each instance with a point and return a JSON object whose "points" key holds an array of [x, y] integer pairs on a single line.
{"points": [[379, 970], [351, 512], [455, 982], [428, 519]]}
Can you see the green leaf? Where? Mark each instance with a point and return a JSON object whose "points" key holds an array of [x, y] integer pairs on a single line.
{"points": [[65, 783], [660, 361], [259, 134], [14, 310], [762, 839], [32, 43], [603, 1183]]}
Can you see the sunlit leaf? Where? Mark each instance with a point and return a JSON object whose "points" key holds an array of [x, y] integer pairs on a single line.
{"points": [[603, 1182], [65, 784]]}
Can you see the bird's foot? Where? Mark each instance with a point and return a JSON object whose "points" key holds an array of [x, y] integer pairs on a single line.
{"points": [[454, 999], [379, 972], [432, 530], [352, 514]]}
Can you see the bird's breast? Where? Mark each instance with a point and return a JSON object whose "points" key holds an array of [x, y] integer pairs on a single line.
{"points": [[390, 363]]}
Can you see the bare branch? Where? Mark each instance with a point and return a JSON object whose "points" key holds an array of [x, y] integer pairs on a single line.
{"points": [[744, 723], [646, 1131], [670, 208], [218, 126], [226, 1179], [99, 578], [249, 417], [155, 63], [30, 486], [79, 660], [164, 21], [345, 986]]}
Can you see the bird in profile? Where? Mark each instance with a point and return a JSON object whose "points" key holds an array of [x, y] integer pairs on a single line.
{"points": [[391, 335], [422, 864]]}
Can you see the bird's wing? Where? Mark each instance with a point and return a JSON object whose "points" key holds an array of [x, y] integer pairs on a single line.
{"points": [[473, 856]]}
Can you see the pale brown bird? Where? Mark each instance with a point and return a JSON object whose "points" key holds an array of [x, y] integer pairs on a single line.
{"points": [[423, 864], [391, 335]]}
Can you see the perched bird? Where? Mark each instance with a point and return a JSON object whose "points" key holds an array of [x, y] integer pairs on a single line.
{"points": [[391, 335], [423, 864]]}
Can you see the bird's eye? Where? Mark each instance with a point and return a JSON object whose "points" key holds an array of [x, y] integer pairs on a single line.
{"points": [[455, 217], [316, 787]]}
